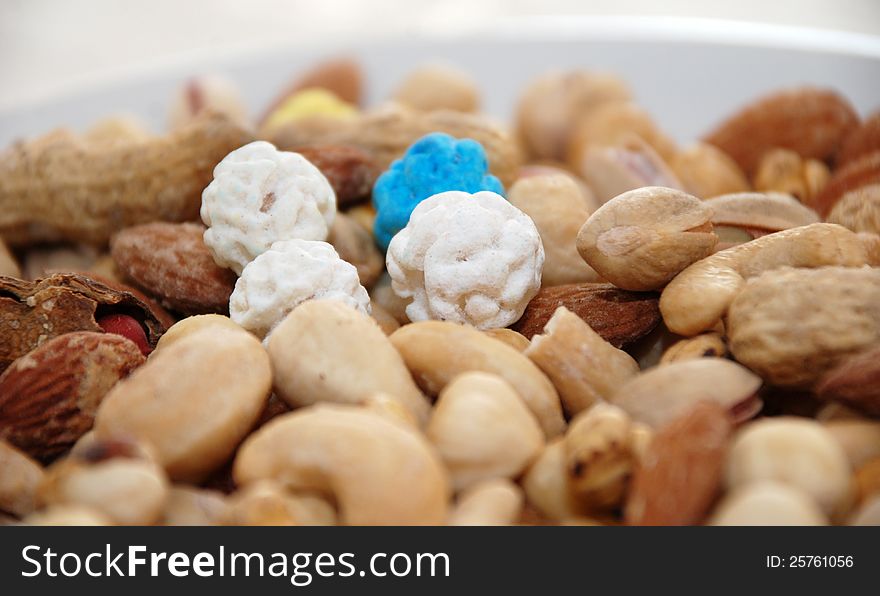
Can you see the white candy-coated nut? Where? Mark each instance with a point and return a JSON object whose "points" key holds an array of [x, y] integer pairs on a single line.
{"points": [[768, 504], [288, 274], [495, 502], [556, 205], [259, 196], [584, 368], [436, 352], [19, 478], [194, 401], [482, 429], [467, 258], [795, 451], [378, 471], [326, 351]]}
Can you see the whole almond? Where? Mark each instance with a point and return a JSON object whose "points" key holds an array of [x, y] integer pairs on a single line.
{"points": [[172, 262], [350, 171], [678, 478], [855, 382], [863, 140], [813, 122], [48, 397], [619, 316]]}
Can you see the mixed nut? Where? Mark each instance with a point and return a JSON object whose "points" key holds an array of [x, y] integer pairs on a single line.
{"points": [[409, 314]]}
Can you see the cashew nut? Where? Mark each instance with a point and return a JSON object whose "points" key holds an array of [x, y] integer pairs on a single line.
{"points": [[376, 470], [436, 352], [19, 478], [325, 350], [700, 295], [482, 429], [494, 502], [190, 506], [584, 367], [265, 503], [768, 504]]}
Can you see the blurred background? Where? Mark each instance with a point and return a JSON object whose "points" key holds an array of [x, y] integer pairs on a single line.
{"points": [[49, 46]]}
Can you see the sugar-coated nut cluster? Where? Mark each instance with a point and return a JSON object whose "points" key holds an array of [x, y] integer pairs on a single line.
{"points": [[435, 163], [289, 273], [259, 196], [472, 259]]}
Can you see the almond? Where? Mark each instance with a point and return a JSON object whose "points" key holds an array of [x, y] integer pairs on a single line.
{"points": [[862, 141], [855, 382], [32, 313], [856, 174], [350, 171], [812, 122], [48, 397], [678, 478], [172, 262], [619, 316]]}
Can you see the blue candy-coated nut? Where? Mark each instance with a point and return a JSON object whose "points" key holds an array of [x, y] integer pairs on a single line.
{"points": [[435, 163]]}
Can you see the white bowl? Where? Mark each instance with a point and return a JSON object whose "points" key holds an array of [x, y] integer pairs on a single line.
{"points": [[688, 72]]}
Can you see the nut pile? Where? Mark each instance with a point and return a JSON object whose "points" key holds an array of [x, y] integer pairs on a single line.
{"points": [[410, 314]]}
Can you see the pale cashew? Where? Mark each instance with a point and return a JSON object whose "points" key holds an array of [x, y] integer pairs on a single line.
{"points": [[326, 351], [768, 504], [641, 239], [546, 483], [194, 401], [584, 367], [663, 393], [377, 471], [19, 478], [68, 515], [700, 295], [860, 439], [190, 506], [265, 503], [482, 429], [387, 323], [436, 352], [494, 502], [515, 340]]}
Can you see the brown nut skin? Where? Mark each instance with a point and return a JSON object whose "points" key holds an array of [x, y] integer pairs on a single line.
{"points": [[619, 316], [34, 312], [20, 476], [854, 175], [349, 170], [792, 325], [858, 210], [677, 481], [812, 122], [700, 295], [378, 471], [584, 368], [80, 192], [552, 101], [48, 398], [482, 429], [172, 262], [194, 401], [641, 239], [661, 394], [326, 351], [854, 382], [558, 209], [706, 171], [438, 351]]}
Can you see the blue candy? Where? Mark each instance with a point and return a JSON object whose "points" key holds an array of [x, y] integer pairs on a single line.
{"points": [[435, 163]]}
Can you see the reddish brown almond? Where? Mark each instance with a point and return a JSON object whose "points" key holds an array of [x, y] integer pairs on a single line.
{"points": [[32, 313], [619, 316], [350, 171], [48, 397], [862, 141], [855, 382], [812, 122], [172, 262], [341, 76], [678, 478], [856, 174]]}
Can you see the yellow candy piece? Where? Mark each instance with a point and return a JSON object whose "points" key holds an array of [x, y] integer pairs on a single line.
{"points": [[310, 102]]}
